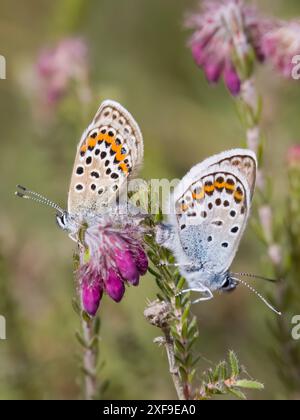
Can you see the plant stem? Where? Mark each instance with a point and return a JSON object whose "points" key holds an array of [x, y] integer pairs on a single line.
{"points": [[172, 314], [89, 340], [251, 115], [89, 361], [169, 345]]}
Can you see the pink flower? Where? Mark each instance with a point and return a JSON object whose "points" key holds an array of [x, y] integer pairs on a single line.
{"points": [[57, 67], [91, 296], [293, 156], [223, 29], [281, 45], [113, 256]]}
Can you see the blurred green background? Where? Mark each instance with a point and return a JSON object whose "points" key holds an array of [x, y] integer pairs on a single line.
{"points": [[138, 56]]}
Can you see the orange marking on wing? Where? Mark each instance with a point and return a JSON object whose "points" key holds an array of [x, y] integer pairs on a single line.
{"points": [[92, 142], [120, 157], [184, 207], [83, 148], [220, 185], [115, 147], [238, 195], [229, 186], [123, 167], [199, 196], [108, 139], [100, 137], [209, 188]]}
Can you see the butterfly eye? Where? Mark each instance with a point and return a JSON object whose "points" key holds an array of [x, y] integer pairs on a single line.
{"points": [[61, 220], [229, 285]]}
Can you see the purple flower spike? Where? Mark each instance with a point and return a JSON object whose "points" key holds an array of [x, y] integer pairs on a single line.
{"points": [[91, 297], [222, 31], [60, 66], [141, 261], [197, 52], [293, 156], [232, 81], [127, 266], [114, 285], [213, 71], [281, 47], [113, 255]]}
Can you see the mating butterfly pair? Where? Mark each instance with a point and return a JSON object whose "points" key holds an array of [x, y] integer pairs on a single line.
{"points": [[209, 208]]}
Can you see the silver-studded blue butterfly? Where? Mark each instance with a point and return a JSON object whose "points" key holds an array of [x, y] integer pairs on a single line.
{"points": [[209, 211]]}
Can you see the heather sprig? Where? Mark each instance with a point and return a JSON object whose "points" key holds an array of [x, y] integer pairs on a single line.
{"points": [[228, 377], [279, 43], [171, 312]]}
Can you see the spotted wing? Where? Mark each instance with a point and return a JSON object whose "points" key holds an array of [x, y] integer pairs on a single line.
{"points": [[212, 206], [110, 151]]}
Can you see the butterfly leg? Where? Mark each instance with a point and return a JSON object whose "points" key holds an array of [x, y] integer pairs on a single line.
{"points": [[73, 237], [166, 264], [208, 296], [202, 289]]}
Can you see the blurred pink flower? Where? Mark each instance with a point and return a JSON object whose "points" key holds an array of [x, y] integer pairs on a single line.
{"points": [[293, 156], [113, 256], [57, 67], [281, 45], [223, 28]]}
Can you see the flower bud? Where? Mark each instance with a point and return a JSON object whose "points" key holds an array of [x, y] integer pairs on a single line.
{"points": [[114, 285]]}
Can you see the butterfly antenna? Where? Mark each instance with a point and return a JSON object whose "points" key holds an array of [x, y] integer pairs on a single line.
{"points": [[254, 276], [24, 192], [258, 295]]}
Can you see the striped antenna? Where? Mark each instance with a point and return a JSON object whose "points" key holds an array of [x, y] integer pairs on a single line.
{"points": [[254, 276], [258, 295], [24, 192]]}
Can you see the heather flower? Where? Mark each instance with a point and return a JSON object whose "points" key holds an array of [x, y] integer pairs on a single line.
{"points": [[111, 258], [225, 31], [293, 156], [57, 67], [281, 45]]}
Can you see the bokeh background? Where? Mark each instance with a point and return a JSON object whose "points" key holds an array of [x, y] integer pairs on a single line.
{"points": [[138, 56]]}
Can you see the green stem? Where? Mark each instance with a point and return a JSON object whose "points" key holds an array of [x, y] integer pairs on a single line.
{"points": [[173, 316], [90, 356], [169, 345]]}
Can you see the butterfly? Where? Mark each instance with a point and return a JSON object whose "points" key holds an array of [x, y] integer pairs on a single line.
{"points": [[109, 153], [209, 211]]}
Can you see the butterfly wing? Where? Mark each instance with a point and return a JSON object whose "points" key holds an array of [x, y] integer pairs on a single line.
{"points": [[211, 206], [109, 152]]}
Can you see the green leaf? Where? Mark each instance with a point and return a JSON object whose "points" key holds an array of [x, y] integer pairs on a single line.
{"points": [[223, 371], [184, 329], [179, 346], [179, 360], [196, 360], [80, 340], [97, 326], [216, 373], [85, 316], [237, 393], [210, 377], [244, 383], [183, 374], [76, 306], [186, 312], [181, 284], [193, 328], [192, 341], [191, 376], [234, 364], [93, 345], [174, 331]]}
